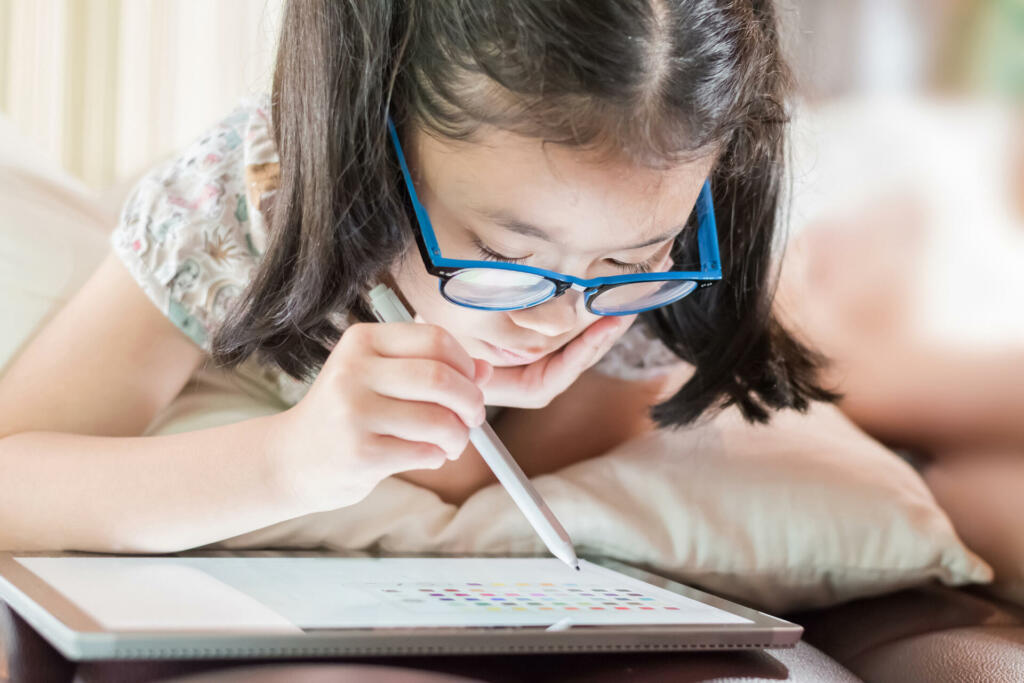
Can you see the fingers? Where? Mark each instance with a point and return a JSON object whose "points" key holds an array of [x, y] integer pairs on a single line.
{"points": [[432, 381], [401, 455], [416, 340], [413, 421], [605, 339], [588, 348], [414, 362], [609, 328]]}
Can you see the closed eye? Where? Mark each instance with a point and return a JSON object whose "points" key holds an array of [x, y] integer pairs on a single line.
{"points": [[489, 255]]}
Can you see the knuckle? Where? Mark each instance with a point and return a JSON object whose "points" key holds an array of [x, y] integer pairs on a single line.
{"points": [[357, 333], [436, 338], [437, 375], [350, 352], [345, 365]]}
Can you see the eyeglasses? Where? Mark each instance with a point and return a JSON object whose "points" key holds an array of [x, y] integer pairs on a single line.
{"points": [[491, 286]]}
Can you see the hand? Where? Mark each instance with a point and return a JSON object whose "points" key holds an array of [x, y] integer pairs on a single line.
{"points": [[391, 397], [537, 384]]}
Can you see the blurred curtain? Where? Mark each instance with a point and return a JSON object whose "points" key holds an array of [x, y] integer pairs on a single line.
{"points": [[107, 87]]}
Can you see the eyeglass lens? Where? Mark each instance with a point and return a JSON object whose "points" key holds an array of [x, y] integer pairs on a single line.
{"points": [[493, 288], [640, 295]]}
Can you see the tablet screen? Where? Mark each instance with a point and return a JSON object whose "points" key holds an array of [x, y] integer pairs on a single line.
{"points": [[288, 594]]}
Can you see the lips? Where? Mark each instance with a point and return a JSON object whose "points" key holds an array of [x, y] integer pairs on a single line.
{"points": [[517, 357]]}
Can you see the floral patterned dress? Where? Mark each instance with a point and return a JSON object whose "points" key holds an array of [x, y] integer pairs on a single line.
{"points": [[192, 231]]}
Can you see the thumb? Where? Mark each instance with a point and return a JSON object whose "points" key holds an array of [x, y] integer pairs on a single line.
{"points": [[482, 371]]}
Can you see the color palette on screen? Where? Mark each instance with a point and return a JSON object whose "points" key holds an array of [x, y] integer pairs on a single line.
{"points": [[525, 597]]}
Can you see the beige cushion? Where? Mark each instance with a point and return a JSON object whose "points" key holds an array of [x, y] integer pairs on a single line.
{"points": [[52, 236], [805, 512]]}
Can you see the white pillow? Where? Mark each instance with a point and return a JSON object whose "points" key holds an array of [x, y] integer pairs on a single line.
{"points": [[805, 512]]}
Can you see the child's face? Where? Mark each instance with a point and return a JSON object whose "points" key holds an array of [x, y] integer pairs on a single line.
{"points": [[592, 215]]}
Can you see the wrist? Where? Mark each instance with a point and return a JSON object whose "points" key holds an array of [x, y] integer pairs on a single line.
{"points": [[281, 474]]}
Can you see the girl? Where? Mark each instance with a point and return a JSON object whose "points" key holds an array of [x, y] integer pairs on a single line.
{"points": [[565, 142]]}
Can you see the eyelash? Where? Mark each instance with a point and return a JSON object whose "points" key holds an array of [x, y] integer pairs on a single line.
{"points": [[489, 255]]}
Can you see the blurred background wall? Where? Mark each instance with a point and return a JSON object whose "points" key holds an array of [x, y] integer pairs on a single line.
{"points": [[107, 87], [843, 48]]}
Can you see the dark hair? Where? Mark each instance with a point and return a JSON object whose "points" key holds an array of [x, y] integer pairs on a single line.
{"points": [[658, 80]]}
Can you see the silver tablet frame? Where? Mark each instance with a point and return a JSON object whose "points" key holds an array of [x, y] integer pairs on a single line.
{"points": [[79, 637]]}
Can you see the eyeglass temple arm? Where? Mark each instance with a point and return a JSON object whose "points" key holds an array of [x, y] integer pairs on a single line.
{"points": [[425, 235], [707, 235]]}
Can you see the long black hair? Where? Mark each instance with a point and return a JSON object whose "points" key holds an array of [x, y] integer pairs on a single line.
{"points": [[661, 81]]}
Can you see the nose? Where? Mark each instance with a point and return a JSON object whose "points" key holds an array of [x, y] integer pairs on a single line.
{"points": [[552, 318]]}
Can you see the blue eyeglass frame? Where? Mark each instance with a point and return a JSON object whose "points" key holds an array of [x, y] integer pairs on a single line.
{"points": [[445, 268]]}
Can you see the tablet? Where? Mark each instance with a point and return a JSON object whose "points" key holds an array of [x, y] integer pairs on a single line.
{"points": [[260, 604]]}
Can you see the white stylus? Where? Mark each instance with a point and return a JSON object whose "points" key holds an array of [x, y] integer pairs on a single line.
{"points": [[388, 308]]}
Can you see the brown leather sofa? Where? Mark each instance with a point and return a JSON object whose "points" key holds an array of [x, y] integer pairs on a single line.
{"points": [[928, 635]]}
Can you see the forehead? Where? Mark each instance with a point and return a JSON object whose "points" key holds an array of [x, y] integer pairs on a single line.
{"points": [[594, 198]]}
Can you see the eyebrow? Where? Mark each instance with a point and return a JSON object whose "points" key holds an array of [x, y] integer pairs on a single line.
{"points": [[520, 227]]}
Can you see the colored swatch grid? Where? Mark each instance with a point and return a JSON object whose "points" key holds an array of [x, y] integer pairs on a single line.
{"points": [[523, 597]]}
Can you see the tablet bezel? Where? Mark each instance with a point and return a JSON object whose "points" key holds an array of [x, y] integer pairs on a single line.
{"points": [[81, 638]]}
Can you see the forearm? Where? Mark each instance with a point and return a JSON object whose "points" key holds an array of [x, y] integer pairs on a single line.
{"points": [[938, 400], [140, 494]]}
